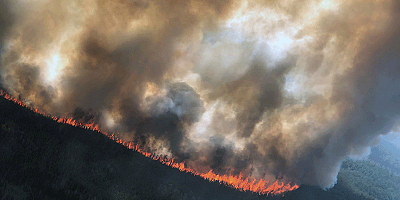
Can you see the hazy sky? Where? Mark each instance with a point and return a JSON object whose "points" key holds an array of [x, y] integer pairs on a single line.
{"points": [[394, 138]]}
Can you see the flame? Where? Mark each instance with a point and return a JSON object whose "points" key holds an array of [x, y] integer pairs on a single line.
{"points": [[261, 187]]}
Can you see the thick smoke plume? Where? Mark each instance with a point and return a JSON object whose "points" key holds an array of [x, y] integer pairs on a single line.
{"points": [[269, 89]]}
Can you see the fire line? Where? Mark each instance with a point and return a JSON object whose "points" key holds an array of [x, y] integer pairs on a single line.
{"points": [[261, 187]]}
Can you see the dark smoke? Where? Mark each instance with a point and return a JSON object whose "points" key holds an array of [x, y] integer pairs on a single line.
{"points": [[6, 21], [267, 89], [180, 100], [168, 115]]}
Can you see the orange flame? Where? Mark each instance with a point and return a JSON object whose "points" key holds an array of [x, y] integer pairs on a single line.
{"points": [[261, 187]]}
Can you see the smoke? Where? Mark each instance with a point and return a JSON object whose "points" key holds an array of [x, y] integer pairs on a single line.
{"points": [[276, 89], [6, 19]]}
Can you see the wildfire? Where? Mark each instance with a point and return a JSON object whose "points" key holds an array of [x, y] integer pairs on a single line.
{"points": [[261, 187]]}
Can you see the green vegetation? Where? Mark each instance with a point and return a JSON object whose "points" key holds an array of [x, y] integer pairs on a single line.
{"points": [[387, 155], [370, 180]]}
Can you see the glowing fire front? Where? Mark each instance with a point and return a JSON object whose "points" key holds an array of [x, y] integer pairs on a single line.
{"points": [[261, 186]]}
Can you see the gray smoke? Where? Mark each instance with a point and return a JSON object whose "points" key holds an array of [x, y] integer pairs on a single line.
{"points": [[180, 100], [6, 20], [267, 89]]}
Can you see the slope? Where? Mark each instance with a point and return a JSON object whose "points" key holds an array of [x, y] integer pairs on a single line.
{"points": [[42, 159]]}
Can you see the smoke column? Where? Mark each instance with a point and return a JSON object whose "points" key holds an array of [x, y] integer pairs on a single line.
{"points": [[271, 89]]}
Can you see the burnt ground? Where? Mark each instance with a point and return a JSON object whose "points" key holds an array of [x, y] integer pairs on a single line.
{"points": [[42, 159]]}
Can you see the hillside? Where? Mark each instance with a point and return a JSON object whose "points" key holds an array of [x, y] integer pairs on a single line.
{"points": [[42, 159], [387, 155]]}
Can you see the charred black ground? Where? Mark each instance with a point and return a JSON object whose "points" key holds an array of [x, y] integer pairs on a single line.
{"points": [[42, 159], [271, 88]]}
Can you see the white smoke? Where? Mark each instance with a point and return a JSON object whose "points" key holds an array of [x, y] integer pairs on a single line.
{"points": [[267, 88]]}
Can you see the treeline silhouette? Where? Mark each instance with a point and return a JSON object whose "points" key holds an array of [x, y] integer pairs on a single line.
{"points": [[43, 159]]}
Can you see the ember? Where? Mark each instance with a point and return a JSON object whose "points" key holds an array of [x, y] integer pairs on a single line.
{"points": [[243, 184]]}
